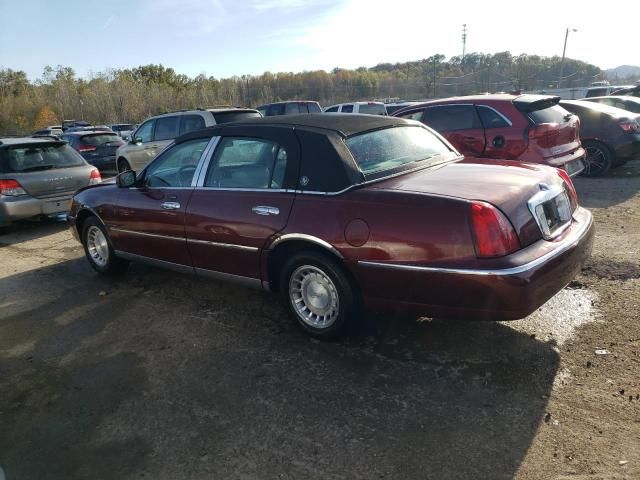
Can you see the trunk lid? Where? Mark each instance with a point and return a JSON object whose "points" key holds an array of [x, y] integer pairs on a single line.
{"points": [[98, 145], [508, 185]]}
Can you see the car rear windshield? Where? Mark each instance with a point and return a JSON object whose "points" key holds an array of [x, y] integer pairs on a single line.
{"points": [[372, 109], [392, 148], [555, 114], [37, 157], [100, 139], [122, 128], [226, 117]]}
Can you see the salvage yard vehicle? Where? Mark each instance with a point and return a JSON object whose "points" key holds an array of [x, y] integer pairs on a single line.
{"points": [[340, 212], [624, 102], [292, 107], [157, 132], [38, 177], [96, 147], [528, 128], [610, 135], [370, 108]]}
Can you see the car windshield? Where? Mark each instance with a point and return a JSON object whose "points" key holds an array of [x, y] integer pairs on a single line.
{"points": [[100, 139], [388, 149], [31, 158]]}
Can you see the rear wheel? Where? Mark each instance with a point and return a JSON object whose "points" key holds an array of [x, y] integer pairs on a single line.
{"points": [[98, 250], [123, 165], [598, 159], [318, 294]]}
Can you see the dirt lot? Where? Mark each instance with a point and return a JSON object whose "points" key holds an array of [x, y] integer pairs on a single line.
{"points": [[163, 376]]}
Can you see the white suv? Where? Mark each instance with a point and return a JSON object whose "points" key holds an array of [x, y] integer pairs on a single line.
{"points": [[157, 132], [372, 108]]}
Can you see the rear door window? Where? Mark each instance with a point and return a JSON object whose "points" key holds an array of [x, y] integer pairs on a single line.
{"points": [[490, 118], [166, 128], [449, 118], [191, 123], [34, 158], [314, 108], [347, 109], [292, 108]]}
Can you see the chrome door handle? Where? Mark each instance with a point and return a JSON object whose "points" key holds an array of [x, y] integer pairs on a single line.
{"points": [[170, 205], [265, 210]]}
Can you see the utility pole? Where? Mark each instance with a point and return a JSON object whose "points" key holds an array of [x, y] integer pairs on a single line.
{"points": [[464, 43], [564, 51]]}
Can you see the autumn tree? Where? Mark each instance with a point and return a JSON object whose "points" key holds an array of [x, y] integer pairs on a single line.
{"points": [[44, 118]]}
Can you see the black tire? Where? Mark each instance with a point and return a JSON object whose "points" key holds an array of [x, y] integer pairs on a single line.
{"points": [[123, 165], [316, 268], [100, 255], [598, 159]]}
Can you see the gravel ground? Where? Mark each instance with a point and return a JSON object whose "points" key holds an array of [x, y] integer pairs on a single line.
{"points": [[164, 376]]}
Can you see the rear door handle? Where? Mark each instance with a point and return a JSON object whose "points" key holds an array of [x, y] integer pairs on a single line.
{"points": [[170, 205], [265, 210]]}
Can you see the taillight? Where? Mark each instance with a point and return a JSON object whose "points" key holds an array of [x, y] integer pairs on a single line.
{"points": [[629, 126], [87, 148], [11, 188], [571, 189], [546, 134], [95, 177], [493, 234]]}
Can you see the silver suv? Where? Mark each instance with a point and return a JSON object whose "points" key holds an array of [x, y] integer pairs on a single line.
{"points": [[155, 133], [38, 177]]}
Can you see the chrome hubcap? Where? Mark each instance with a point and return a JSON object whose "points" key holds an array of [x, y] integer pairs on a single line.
{"points": [[595, 161], [97, 246], [314, 297]]}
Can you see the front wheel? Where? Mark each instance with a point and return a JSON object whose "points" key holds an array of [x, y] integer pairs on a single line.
{"points": [[598, 159], [123, 165], [318, 294], [98, 250]]}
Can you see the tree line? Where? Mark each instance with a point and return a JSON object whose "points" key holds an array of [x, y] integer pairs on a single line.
{"points": [[131, 95]]}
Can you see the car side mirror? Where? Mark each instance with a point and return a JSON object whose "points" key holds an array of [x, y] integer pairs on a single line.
{"points": [[126, 179], [137, 140]]}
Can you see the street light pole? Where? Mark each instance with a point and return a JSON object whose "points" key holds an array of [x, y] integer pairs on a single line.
{"points": [[564, 51]]}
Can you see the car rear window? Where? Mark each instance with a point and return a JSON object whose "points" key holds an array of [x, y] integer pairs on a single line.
{"points": [[121, 128], [226, 117], [100, 139], [555, 114], [391, 148], [372, 109], [38, 157]]}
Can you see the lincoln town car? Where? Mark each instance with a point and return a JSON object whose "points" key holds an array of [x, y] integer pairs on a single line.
{"points": [[342, 214]]}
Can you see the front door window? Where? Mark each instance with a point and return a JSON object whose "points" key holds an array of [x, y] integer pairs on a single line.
{"points": [[176, 167]]}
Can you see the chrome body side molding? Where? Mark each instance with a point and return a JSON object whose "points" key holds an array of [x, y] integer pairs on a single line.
{"points": [[308, 238]]}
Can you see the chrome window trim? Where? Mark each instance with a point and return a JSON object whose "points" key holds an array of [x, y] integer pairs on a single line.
{"points": [[203, 165], [261, 190], [145, 234], [309, 238], [223, 245], [500, 114], [489, 272]]}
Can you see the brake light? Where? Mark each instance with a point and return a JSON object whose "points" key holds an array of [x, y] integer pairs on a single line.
{"points": [[493, 234], [546, 135], [571, 189], [87, 148], [629, 126], [11, 188], [95, 177]]}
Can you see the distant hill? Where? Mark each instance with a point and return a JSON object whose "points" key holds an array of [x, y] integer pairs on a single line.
{"points": [[623, 71]]}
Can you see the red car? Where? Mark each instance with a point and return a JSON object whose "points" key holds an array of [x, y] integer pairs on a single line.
{"points": [[528, 128], [342, 211]]}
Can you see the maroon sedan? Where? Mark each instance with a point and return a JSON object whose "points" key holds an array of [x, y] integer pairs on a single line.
{"points": [[341, 211], [528, 128]]}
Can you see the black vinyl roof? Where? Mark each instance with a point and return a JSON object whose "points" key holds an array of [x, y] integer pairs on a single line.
{"points": [[344, 124]]}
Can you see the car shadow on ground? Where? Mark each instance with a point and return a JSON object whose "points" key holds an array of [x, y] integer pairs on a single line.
{"points": [[618, 186], [25, 230], [172, 376]]}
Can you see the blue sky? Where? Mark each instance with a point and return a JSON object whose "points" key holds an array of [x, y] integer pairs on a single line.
{"points": [[224, 38]]}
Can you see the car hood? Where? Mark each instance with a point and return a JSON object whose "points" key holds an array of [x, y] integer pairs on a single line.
{"points": [[506, 184]]}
